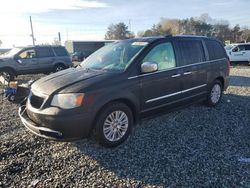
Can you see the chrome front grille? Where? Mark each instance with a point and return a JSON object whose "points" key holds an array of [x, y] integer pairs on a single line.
{"points": [[37, 100]]}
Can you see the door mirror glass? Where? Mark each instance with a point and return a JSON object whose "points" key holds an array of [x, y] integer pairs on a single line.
{"points": [[149, 67]]}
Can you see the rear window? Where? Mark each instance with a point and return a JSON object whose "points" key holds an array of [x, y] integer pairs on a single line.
{"points": [[189, 51], [215, 50], [45, 52], [60, 51]]}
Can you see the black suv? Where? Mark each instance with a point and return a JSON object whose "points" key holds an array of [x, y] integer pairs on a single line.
{"points": [[31, 60], [123, 81]]}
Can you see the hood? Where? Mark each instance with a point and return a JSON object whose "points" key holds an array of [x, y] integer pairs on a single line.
{"points": [[5, 58], [63, 79]]}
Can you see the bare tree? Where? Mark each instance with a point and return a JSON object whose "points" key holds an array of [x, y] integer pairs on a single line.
{"points": [[203, 25]]}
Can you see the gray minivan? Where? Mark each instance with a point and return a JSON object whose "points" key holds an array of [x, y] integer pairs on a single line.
{"points": [[123, 82], [31, 60]]}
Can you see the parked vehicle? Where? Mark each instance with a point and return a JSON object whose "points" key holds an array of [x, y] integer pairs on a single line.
{"points": [[238, 52], [79, 56], [31, 60], [124, 81]]}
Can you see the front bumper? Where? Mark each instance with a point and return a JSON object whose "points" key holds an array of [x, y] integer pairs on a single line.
{"points": [[58, 127]]}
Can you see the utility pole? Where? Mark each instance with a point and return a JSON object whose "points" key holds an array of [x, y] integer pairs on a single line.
{"points": [[129, 23], [59, 38], [32, 33]]}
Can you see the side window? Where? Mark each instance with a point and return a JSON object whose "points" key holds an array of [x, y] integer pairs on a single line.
{"points": [[45, 52], [215, 50], [60, 51], [27, 54], [247, 47], [189, 51], [241, 48], [162, 55]]}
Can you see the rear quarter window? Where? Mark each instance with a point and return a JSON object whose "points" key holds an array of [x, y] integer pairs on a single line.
{"points": [[189, 51], [60, 51], [247, 47], [45, 52], [215, 50]]}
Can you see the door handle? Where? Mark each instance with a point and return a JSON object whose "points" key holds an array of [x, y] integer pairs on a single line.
{"points": [[176, 75], [187, 73]]}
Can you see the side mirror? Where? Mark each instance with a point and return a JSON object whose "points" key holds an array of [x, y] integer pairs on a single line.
{"points": [[19, 61], [149, 67]]}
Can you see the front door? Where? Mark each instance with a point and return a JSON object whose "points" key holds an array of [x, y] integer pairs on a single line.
{"points": [[162, 87], [26, 61]]}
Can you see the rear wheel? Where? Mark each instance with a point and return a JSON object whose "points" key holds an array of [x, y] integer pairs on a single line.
{"points": [[59, 67], [215, 94], [114, 124]]}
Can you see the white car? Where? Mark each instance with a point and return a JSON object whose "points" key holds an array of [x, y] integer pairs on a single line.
{"points": [[238, 52]]}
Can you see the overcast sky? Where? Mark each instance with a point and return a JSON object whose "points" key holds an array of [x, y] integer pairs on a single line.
{"points": [[88, 20]]}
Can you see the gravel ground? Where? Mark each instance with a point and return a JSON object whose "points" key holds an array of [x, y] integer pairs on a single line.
{"points": [[193, 147]]}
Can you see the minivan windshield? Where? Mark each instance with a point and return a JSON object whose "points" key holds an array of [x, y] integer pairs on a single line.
{"points": [[116, 56]]}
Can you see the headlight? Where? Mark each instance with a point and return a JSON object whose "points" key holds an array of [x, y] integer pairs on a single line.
{"points": [[68, 101]]}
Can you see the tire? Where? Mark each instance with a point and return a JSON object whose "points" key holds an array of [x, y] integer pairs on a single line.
{"points": [[59, 67], [109, 132], [11, 98], [215, 94], [7, 74]]}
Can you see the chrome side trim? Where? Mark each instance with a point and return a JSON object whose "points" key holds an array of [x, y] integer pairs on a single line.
{"points": [[190, 89], [39, 94], [172, 102], [173, 94], [132, 77]]}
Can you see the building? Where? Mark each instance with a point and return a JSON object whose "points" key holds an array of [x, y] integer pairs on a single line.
{"points": [[85, 47]]}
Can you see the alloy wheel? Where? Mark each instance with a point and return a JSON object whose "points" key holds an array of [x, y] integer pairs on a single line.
{"points": [[216, 93], [115, 126]]}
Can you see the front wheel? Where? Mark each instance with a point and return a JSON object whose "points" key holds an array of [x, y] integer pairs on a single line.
{"points": [[215, 94], [8, 75], [114, 124]]}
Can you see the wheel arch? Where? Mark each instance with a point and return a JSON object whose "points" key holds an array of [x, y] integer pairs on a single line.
{"points": [[9, 68], [125, 101], [59, 63], [221, 79]]}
